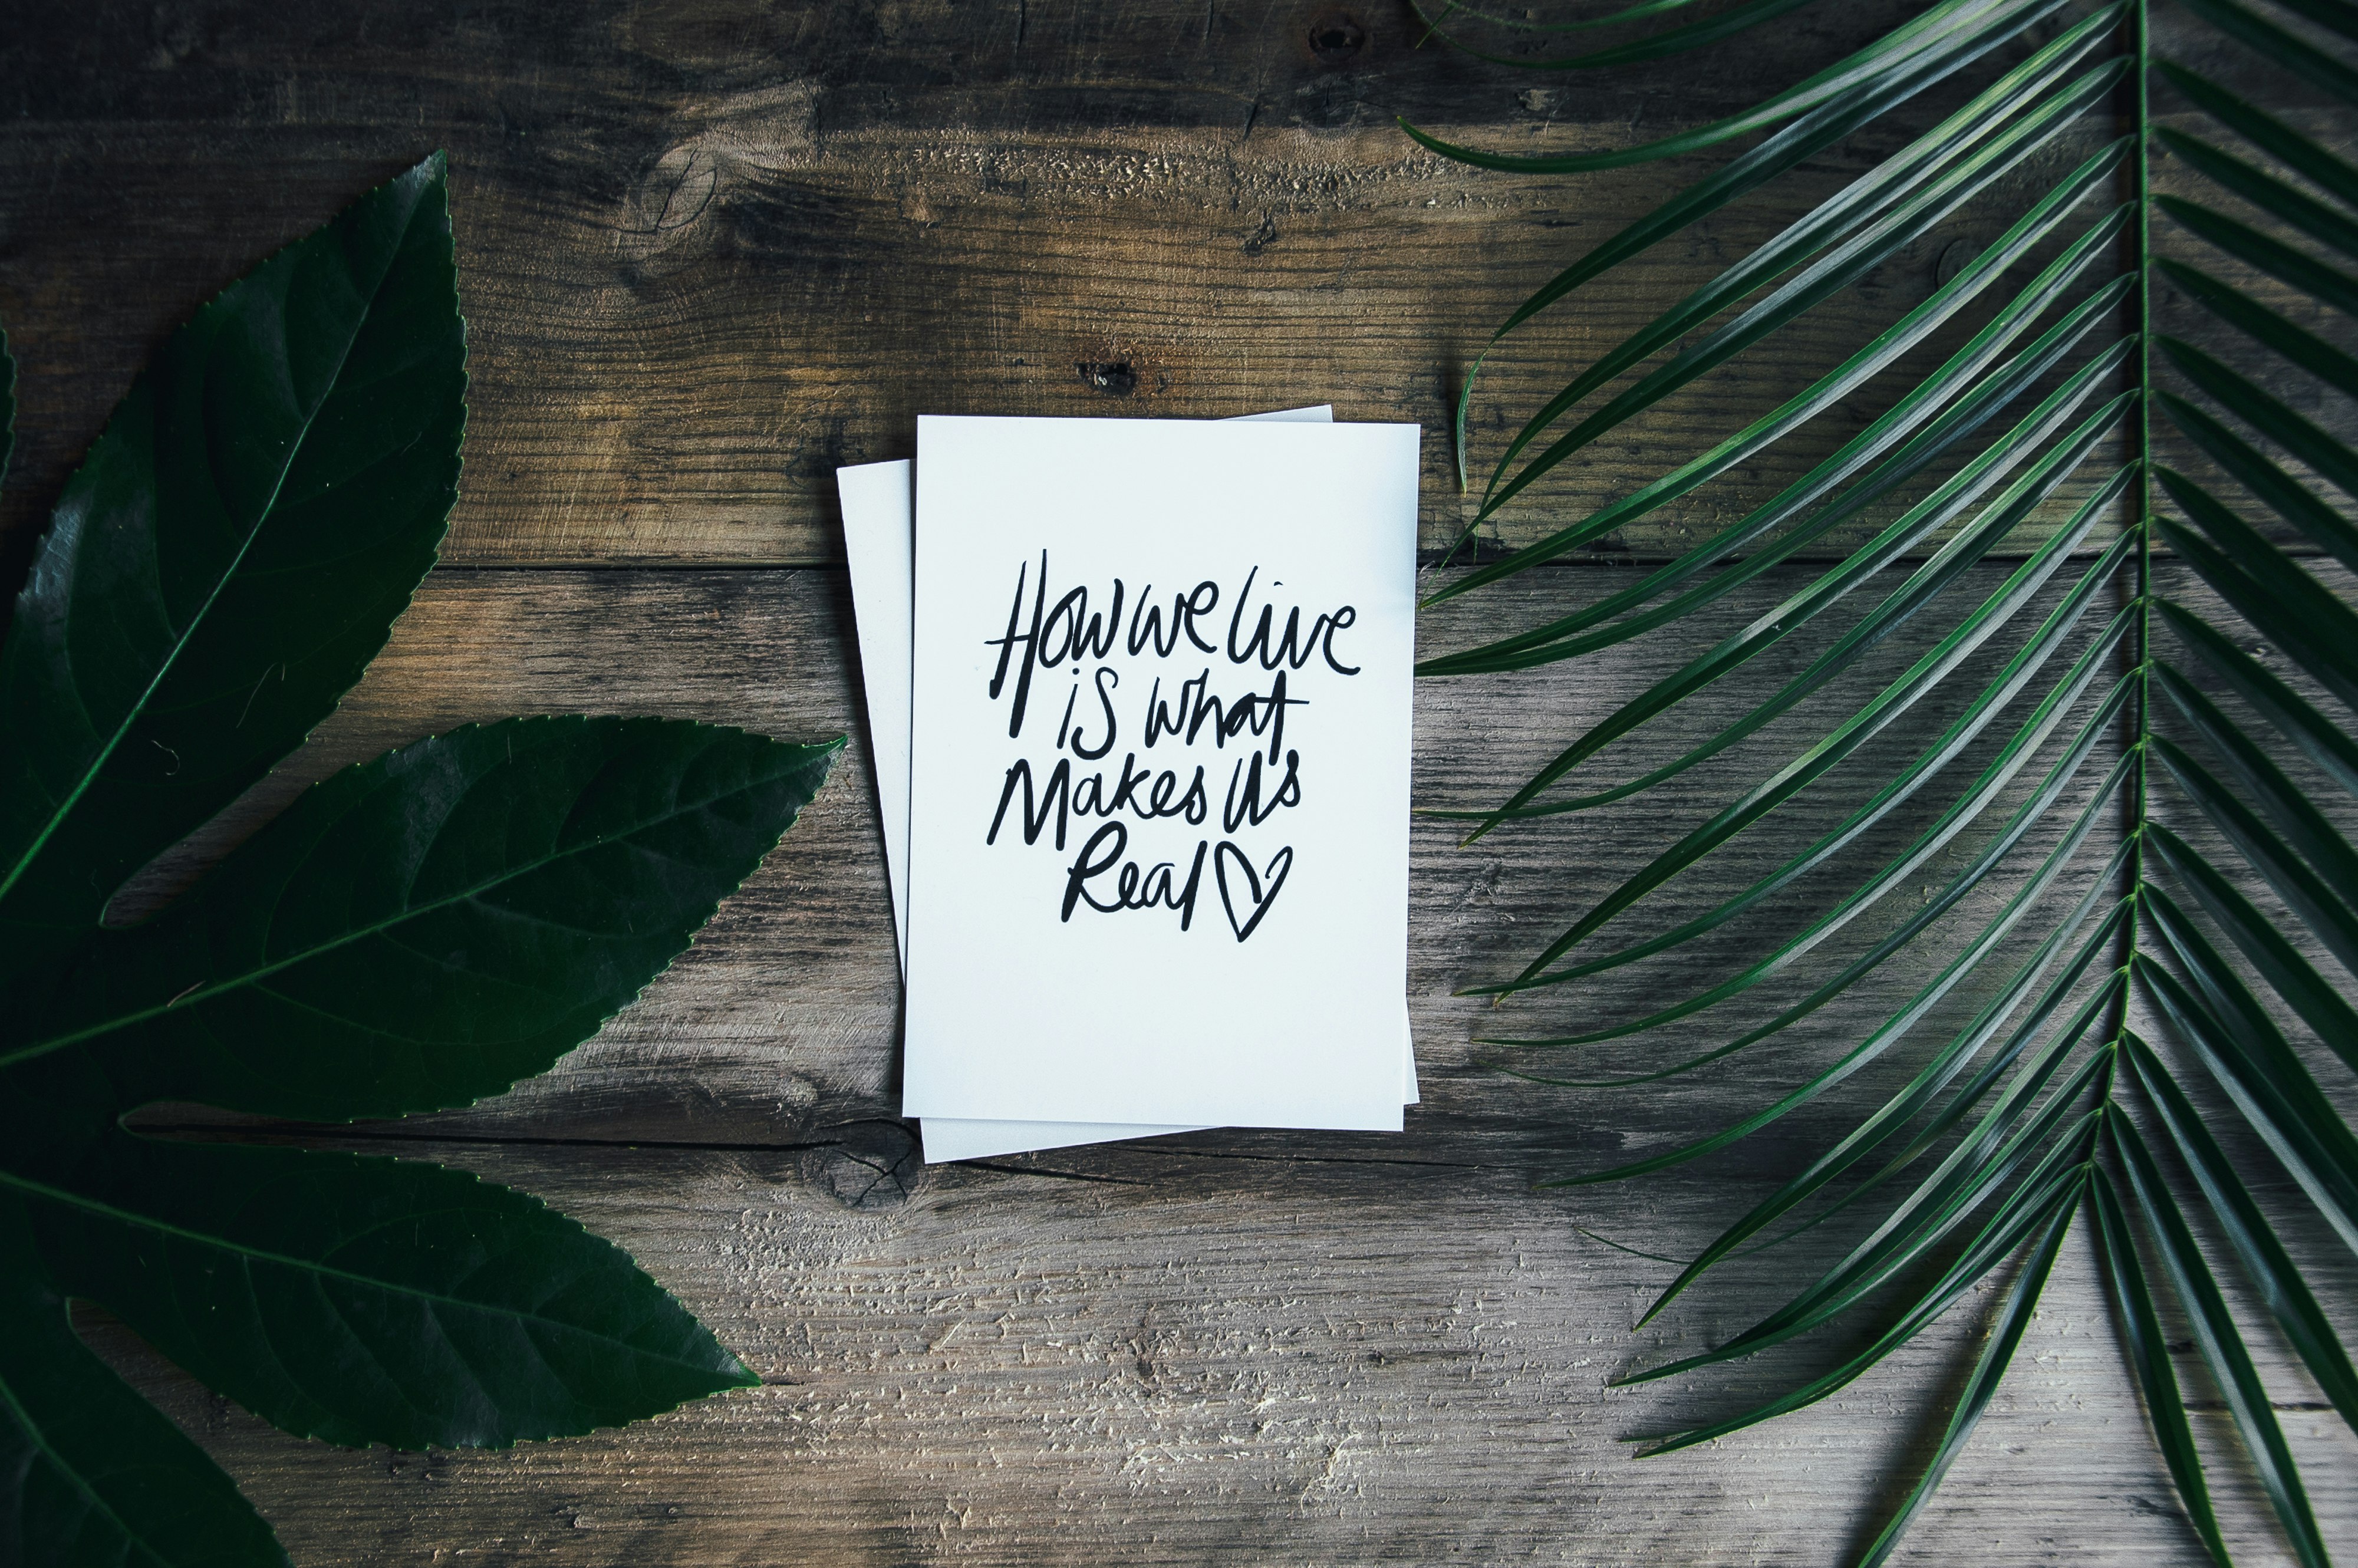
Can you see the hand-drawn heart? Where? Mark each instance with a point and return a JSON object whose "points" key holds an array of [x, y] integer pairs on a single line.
{"points": [[1274, 874]]}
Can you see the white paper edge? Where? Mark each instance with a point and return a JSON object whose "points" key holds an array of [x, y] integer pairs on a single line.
{"points": [[880, 545]]}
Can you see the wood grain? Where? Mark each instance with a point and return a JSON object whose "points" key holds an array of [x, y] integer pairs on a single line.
{"points": [[709, 257], [1230, 1347]]}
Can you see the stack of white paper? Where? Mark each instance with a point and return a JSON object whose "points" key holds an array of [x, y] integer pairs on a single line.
{"points": [[1138, 698]]}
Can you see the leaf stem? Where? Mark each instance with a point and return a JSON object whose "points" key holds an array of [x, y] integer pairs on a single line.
{"points": [[2139, 716]]}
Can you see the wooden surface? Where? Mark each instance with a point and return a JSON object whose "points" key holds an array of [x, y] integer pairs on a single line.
{"points": [[710, 252]]}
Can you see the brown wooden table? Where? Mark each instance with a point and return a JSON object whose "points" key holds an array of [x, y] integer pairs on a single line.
{"points": [[709, 251]]}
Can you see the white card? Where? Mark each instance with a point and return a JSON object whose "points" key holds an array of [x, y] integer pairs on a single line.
{"points": [[879, 515], [1223, 940]]}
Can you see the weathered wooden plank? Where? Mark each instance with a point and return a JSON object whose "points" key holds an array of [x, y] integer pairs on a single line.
{"points": [[707, 259], [1236, 1361]]}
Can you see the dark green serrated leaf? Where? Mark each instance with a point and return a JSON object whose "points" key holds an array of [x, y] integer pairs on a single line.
{"points": [[414, 932], [228, 558], [357, 1299], [427, 928]]}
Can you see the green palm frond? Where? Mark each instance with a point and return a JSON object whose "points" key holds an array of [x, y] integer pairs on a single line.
{"points": [[2101, 527]]}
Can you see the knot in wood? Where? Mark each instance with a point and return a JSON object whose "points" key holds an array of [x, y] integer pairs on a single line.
{"points": [[1335, 37], [1115, 378], [871, 1166]]}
